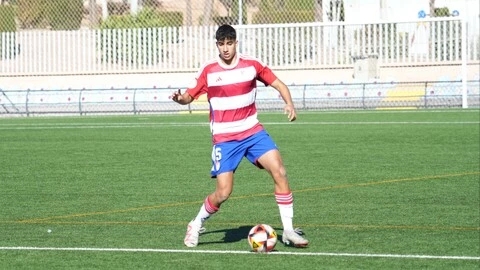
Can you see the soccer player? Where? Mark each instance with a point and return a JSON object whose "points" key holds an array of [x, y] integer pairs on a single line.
{"points": [[230, 84]]}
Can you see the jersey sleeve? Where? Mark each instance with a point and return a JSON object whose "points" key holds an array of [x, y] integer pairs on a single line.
{"points": [[198, 86], [265, 74]]}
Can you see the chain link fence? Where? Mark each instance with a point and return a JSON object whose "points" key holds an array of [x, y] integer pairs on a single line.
{"points": [[65, 37], [367, 96], [339, 20], [77, 14]]}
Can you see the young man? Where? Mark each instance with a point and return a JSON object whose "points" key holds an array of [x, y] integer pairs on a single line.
{"points": [[230, 84]]}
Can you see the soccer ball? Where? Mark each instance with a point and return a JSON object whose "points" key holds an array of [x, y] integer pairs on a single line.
{"points": [[262, 238]]}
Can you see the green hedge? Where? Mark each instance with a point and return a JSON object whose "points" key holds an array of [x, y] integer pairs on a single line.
{"points": [[31, 13], [65, 14], [58, 14], [287, 16], [146, 18], [285, 5], [7, 19], [441, 12], [120, 49]]}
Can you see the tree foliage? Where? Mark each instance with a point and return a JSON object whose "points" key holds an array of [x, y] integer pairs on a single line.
{"points": [[58, 14], [7, 23], [441, 12], [146, 18], [297, 11], [31, 13], [284, 11], [120, 47], [65, 14]]}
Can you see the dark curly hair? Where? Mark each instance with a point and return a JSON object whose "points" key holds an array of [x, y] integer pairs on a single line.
{"points": [[226, 32]]}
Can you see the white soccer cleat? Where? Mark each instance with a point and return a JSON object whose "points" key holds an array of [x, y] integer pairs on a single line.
{"points": [[193, 232], [293, 238]]}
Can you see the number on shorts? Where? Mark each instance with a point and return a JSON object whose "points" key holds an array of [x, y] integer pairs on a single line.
{"points": [[216, 154]]}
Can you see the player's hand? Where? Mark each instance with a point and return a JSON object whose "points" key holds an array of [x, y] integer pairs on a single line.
{"points": [[176, 96], [290, 112]]}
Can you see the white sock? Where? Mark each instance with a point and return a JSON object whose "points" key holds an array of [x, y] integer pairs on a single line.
{"points": [[205, 212], [285, 206]]}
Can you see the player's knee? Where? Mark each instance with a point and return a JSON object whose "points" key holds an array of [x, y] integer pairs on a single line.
{"points": [[222, 196], [279, 173]]}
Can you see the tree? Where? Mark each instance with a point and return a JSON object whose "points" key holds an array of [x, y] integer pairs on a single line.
{"points": [[7, 25], [207, 12], [31, 13], [189, 12], [92, 6], [227, 3], [432, 8], [383, 10], [64, 14], [318, 6], [58, 14]]}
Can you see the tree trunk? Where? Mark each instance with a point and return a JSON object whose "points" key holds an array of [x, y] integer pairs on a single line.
{"points": [[92, 4], [383, 10], [189, 13], [318, 5], [432, 8], [207, 12]]}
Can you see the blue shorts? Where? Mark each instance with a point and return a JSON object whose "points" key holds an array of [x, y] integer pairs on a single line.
{"points": [[227, 156]]}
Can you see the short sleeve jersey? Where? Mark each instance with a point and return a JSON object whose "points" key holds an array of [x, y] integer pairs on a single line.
{"points": [[231, 92]]}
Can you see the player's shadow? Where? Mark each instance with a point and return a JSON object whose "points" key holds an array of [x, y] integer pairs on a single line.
{"points": [[230, 235]]}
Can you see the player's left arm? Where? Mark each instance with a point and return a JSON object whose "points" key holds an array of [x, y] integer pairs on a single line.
{"points": [[282, 88], [266, 75]]}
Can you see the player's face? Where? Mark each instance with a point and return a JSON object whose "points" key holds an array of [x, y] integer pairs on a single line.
{"points": [[227, 49]]}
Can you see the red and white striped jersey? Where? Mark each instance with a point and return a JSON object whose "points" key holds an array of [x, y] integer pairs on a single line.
{"points": [[231, 92]]}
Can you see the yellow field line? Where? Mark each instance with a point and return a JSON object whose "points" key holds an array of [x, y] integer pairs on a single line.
{"points": [[230, 224], [367, 184], [36, 220], [143, 208]]}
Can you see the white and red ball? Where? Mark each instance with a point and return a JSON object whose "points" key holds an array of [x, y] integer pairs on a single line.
{"points": [[262, 238]]}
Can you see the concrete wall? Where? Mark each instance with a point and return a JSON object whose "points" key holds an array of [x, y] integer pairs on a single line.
{"points": [[161, 80]]}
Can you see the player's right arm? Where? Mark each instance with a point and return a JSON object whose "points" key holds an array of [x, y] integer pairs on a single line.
{"points": [[180, 98], [196, 88]]}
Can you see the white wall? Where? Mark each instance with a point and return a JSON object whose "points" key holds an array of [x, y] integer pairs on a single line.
{"points": [[180, 80]]}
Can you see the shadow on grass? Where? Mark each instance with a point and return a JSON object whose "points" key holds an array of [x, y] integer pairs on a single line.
{"points": [[231, 235]]}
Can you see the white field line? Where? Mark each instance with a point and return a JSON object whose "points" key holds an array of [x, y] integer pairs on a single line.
{"points": [[328, 254], [194, 124], [178, 113]]}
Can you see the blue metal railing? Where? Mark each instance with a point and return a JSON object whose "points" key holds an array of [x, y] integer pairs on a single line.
{"points": [[361, 96]]}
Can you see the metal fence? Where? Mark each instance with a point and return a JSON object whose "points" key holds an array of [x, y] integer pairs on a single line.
{"points": [[91, 13], [292, 46], [366, 96], [39, 37]]}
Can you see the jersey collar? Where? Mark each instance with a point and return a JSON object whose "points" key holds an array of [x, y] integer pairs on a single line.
{"points": [[231, 66]]}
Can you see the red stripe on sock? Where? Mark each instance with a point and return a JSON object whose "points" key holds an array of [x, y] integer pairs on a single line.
{"points": [[284, 198], [210, 207]]}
